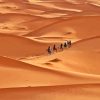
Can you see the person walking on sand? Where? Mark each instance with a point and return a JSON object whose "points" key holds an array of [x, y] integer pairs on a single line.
{"points": [[69, 43], [49, 50], [54, 48], [61, 46], [65, 45]]}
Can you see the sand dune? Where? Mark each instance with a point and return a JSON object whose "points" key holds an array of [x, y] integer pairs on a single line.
{"points": [[39, 9], [79, 92], [27, 71], [89, 44], [75, 28], [71, 61], [37, 24], [19, 47], [8, 17], [11, 23], [67, 8], [21, 24], [24, 75], [77, 58]]}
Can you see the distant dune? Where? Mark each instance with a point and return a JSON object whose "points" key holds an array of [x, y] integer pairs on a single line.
{"points": [[24, 75]]}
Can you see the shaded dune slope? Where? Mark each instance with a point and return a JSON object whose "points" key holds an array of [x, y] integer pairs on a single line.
{"points": [[16, 47], [55, 93]]}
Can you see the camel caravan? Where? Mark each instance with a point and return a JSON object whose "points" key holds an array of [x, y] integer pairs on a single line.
{"points": [[61, 47]]}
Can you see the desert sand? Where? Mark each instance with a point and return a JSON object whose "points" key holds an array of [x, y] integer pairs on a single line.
{"points": [[27, 71]]}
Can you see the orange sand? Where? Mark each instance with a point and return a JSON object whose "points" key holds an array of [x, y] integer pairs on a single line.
{"points": [[27, 71]]}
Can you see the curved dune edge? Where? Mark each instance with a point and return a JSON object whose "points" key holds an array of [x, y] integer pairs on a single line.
{"points": [[78, 58], [69, 62], [18, 23], [24, 75], [90, 44]]}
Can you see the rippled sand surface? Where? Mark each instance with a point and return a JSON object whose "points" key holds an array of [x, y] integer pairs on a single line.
{"points": [[27, 71]]}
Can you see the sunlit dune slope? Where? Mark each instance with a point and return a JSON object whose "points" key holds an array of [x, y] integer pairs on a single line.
{"points": [[21, 24], [77, 62], [24, 75], [20, 8], [52, 9], [78, 58], [80, 61]]}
